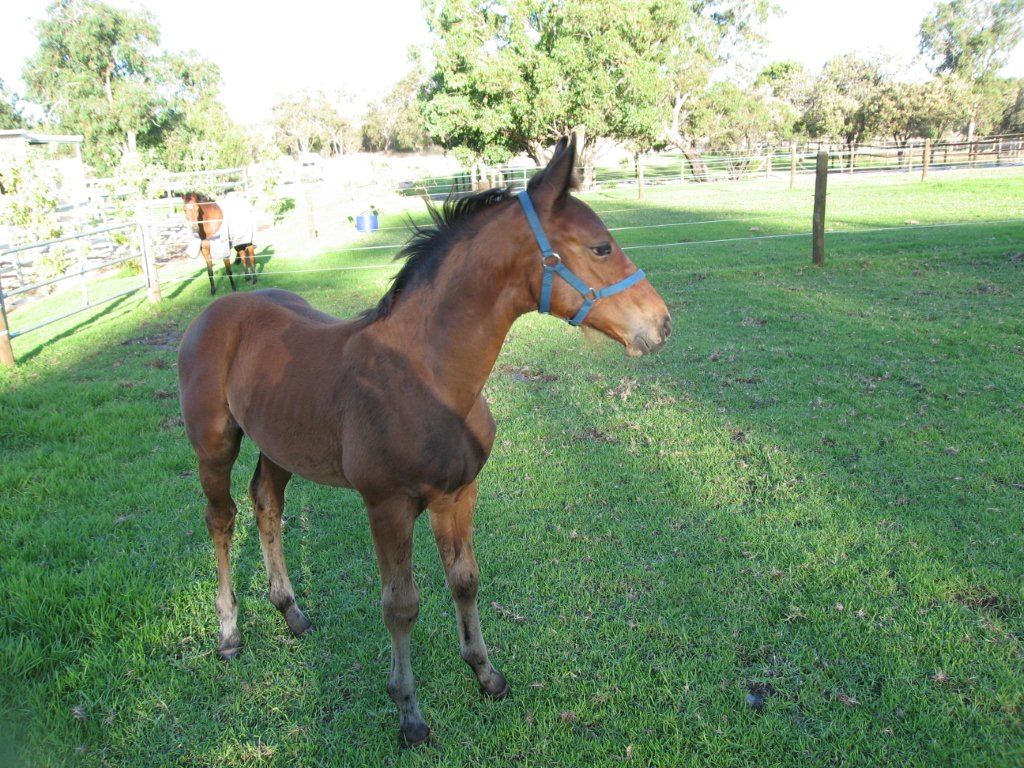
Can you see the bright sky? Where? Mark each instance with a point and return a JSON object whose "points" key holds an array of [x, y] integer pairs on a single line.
{"points": [[361, 47]]}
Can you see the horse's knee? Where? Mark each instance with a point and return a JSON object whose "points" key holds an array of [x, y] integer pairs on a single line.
{"points": [[221, 519], [464, 582], [400, 606]]}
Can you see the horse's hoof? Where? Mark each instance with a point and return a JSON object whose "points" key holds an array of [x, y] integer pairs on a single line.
{"points": [[298, 624], [498, 689], [414, 734], [227, 653]]}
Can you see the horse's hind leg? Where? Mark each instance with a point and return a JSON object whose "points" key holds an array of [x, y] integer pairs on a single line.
{"points": [[250, 253], [391, 523], [229, 273], [218, 454], [451, 518], [247, 255], [267, 493]]}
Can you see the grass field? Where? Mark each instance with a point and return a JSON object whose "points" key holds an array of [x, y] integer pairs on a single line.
{"points": [[794, 537]]}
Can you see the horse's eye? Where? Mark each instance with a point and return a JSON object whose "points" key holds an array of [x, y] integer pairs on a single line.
{"points": [[602, 251]]}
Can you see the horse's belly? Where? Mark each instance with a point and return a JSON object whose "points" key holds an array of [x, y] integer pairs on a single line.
{"points": [[295, 439]]}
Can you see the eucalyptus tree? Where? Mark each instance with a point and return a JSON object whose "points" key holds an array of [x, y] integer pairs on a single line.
{"points": [[513, 76], [972, 40], [9, 115], [838, 104], [99, 71]]}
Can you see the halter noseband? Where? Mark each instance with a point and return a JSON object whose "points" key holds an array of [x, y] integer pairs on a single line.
{"points": [[553, 265]]}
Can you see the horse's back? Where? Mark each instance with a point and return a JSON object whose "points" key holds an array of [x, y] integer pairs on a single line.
{"points": [[238, 325]]}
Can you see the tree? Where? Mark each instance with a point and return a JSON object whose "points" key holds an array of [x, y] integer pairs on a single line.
{"points": [[514, 77], [788, 80], [1013, 114], [839, 99], [98, 71], [307, 121], [9, 115], [729, 117], [92, 74], [395, 122], [716, 31], [31, 193], [196, 131], [905, 111], [739, 121], [972, 39]]}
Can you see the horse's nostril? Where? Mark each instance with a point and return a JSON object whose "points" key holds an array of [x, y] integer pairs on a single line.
{"points": [[666, 327]]}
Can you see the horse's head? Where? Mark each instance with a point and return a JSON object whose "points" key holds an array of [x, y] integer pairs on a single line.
{"points": [[586, 278], [190, 202]]}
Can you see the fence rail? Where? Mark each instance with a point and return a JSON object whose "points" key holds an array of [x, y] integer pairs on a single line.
{"points": [[92, 258], [772, 162], [98, 277]]}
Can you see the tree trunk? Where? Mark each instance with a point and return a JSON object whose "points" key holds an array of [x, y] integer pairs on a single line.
{"points": [[675, 136], [698, 168]]}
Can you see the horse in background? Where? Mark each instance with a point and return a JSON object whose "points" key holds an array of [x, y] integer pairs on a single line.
{"points": [[218, 227]]}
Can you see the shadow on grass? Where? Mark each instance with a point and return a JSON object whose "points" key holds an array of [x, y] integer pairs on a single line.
{"points": [[799, 498]]}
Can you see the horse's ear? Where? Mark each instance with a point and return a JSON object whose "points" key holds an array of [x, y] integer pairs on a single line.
{"points": [[553, 184]]}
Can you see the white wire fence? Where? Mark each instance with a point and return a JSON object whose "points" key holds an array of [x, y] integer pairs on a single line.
{"points": [[793, 162], [133, 256]]}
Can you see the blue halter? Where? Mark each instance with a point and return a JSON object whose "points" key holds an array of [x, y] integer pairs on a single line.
{"points": [[553, 266]]}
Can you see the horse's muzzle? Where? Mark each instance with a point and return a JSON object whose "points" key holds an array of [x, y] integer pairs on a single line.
{"points": [[646, 342]]}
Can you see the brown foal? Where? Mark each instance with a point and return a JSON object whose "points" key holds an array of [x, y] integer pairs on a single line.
{"points": [[390, 403]]}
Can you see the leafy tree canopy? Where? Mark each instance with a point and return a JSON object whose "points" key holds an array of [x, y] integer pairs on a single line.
{"points": [[307, 121], [514, 76], [971, 38], [98, 71], [9, 115]]}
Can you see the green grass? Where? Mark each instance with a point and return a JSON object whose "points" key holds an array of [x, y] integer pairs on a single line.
{"points": [[812, 495]]}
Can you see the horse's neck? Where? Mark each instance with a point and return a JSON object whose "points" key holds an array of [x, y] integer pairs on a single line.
{"points": [[212, 217], [457, 325]]}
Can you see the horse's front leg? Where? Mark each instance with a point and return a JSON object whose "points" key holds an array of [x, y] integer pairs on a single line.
{"points": [[451, 518], [391, 523], [204, 248]]}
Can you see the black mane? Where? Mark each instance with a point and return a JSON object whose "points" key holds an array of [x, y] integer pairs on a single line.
{"points": [[429, 243]]}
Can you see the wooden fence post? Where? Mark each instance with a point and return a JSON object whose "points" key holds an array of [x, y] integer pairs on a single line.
{"points": [[639, 176], [147, 256], [926, 160], [818, 232], [6, 351]]}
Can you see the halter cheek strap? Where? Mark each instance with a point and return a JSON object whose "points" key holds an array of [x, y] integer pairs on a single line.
{"points": [[553, 265]]}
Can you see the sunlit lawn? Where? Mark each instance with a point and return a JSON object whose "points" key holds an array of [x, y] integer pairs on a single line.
{"points": [[793, 537]]}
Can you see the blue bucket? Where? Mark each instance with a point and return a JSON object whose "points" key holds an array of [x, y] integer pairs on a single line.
{"points": [[366, 222]]}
